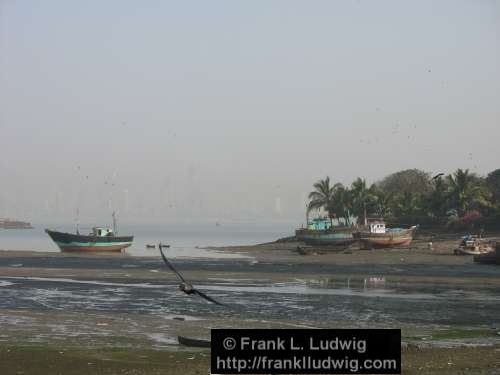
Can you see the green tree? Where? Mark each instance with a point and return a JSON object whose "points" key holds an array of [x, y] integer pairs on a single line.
{"points": [[437, 202], [342, 204], [362, 197], [383, 203], [413, 180], [323, 196], [493, 185], [403, 191], [407, 203], [466, 191]]}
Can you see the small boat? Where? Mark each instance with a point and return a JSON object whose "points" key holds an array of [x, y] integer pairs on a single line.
{"points": [[100, 239], [320, 232], [149, 246], [378, 236], [194, 342], [473, 245], [491, 257]]}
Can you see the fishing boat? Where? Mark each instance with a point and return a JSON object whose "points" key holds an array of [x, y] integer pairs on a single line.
{"points": [[320, 231], [474, 245], [491, 257], [377, 235], [100, 239]]}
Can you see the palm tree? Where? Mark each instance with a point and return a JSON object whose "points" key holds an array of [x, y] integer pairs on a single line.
{"points": [[465, 191], [383, 201], [361, 197], [437, 200], [407, 203], [323, 196], [342, 203]]}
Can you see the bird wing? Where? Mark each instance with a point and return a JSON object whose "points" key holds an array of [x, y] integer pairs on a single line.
{"points": [[203, 295], [169, 265], [438, 175]]}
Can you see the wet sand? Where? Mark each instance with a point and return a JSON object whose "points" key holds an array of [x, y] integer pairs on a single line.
{"points": [[122, 314]]}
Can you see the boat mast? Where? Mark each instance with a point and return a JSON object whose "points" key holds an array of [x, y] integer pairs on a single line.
{"points": [[114, 223], [77, 221], [307, 216]]}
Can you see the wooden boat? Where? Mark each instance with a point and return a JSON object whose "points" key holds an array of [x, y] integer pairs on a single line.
{"points": [[492, 257], [100, 239], [320, 232], [194, 342], [473, 245], [378, 236]]}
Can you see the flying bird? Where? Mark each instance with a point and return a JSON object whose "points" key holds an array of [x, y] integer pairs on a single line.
{"points": [[186, 286], [437, 176]]}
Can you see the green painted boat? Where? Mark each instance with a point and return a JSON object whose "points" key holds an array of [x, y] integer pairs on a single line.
{"points": [[100, 239], [328, 237], [321, 232]]}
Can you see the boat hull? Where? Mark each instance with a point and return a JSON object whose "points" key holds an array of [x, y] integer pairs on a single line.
{"points": [[197, 343], [401, 238], [492, 257], [325, 237], [69, 242]]}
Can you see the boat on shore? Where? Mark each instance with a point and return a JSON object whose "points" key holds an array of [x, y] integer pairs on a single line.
{"points": [[474, 245], [377, 235], [491, 257], [194, 342], [320, 232]]}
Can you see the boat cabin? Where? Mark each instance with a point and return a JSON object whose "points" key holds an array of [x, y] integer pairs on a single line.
{"points": [[319, 224], [377, 227], [102, 232]]}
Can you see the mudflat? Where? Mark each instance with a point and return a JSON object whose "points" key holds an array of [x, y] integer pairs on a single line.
{"points": [[105, 314]]}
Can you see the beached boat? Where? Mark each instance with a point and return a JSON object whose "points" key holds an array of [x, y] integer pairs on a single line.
{"points": [[377, 235], [491, 257], [321, 232], [198, 343], [474, 245]]}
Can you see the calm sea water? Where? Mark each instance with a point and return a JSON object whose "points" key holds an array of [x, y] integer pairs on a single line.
{"points": [[184, 240]]}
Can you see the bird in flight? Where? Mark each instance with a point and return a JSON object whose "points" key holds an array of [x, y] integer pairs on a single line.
{"points": [[186, 286], [437, 176]]}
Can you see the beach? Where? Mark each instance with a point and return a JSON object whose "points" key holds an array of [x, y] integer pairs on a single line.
{"points": [[106, 314]]}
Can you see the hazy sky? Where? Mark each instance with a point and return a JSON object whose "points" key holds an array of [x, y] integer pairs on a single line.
{"points": [[230, 110]]}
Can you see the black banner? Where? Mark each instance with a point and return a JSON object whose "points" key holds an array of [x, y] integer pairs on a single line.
{"points": [[306, 351]]}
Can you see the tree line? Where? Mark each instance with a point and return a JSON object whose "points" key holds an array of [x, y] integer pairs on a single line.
{"points": [[460, 200]]}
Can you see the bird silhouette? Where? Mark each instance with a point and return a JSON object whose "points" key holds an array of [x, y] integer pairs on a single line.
{"points": [[186, 286], [437, 176]]}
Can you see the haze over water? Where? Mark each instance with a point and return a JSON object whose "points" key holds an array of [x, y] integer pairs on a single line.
{"points": [[223, 111], [184, 240]]}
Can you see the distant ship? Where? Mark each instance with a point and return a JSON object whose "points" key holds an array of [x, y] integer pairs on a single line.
{"points": [[14, 224], [100, 239]]}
